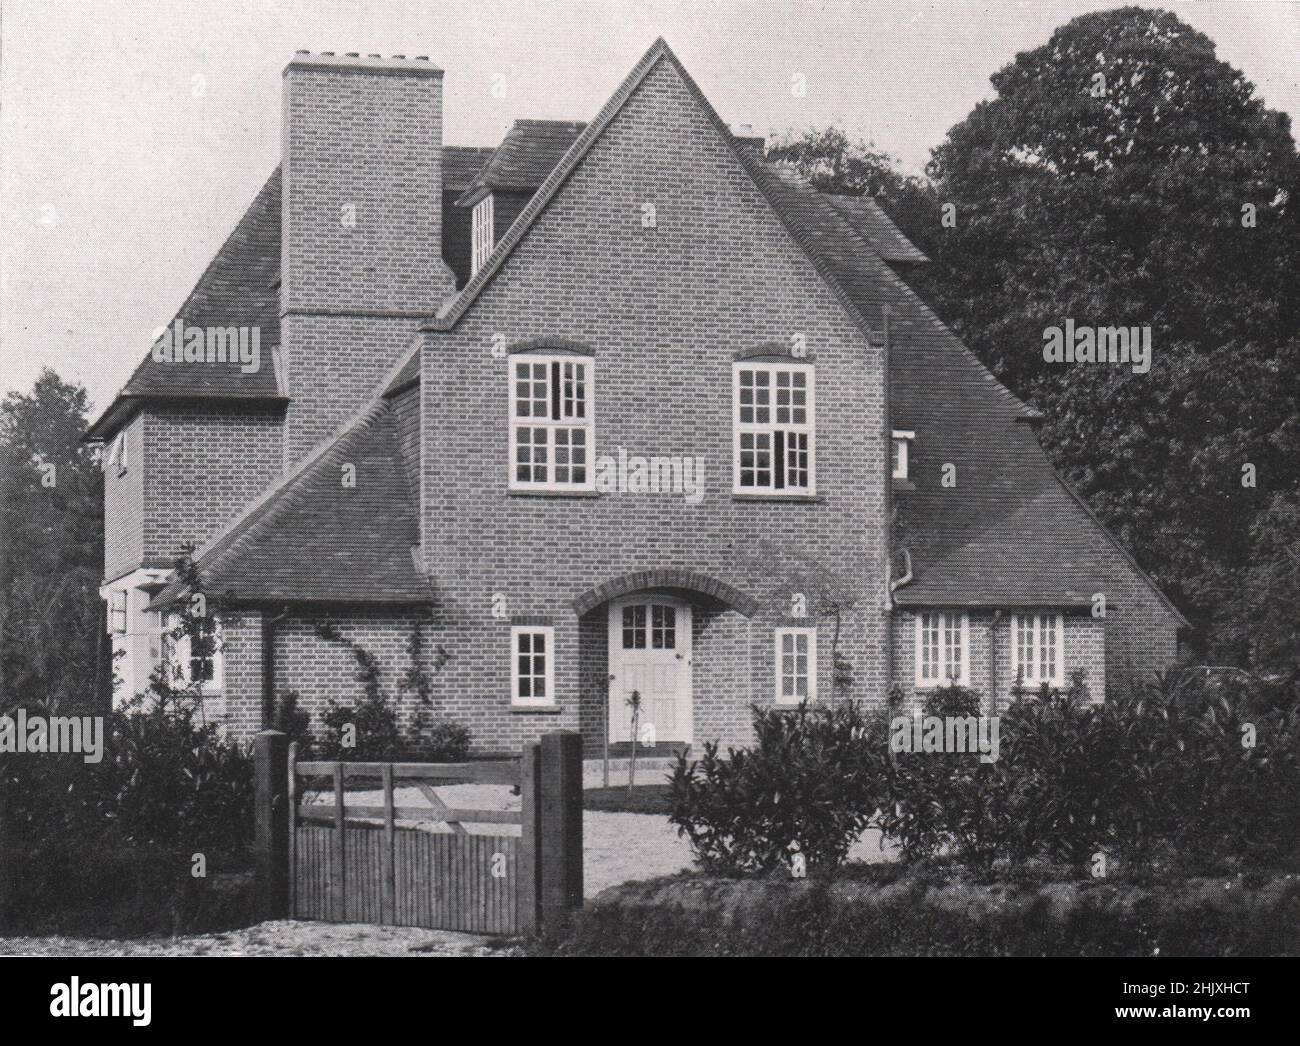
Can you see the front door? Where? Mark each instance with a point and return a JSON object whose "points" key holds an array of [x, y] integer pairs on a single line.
{"points": [[650, 653]]}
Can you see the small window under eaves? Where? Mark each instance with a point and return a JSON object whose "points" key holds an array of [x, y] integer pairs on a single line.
{"points": [[901, 451]]}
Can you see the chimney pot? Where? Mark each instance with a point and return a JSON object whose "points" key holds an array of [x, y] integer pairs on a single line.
{"points": [[352, 54], [421, 57], [401, 56]]}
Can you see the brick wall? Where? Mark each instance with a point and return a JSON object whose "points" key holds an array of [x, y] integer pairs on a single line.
{"points": [[335, 365], [361, 256], [664, 309], [203, 465], [241, 654]]}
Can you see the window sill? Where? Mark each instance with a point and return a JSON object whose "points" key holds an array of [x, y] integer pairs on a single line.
{"points": [[798, 499], [535, 709], [553, 493]]}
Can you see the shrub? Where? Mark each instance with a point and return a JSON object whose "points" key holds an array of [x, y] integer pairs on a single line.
{"points": [[167, 781], [289, 719], [811, 781], [448, 741], [901, 912], [118, 836], [1162, 769]]}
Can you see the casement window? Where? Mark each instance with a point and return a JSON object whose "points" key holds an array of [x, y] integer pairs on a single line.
{"points": [[188, 665], [117, 611], [1038, 649], [482, 231], [773, 430], [902, 440], [942, 648], [552, 423], [796, 665], [532, 665]]}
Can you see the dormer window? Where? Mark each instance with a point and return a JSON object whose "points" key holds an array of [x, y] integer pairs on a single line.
{"points": [[482, 223], [902, 445]]}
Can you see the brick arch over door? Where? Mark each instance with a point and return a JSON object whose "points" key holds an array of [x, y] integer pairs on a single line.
{"points": [[666, 577]]}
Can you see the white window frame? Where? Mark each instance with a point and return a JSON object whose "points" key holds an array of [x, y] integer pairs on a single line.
{"points": [[175, 654], [113, 611], [941, 649], [810, 634], [902, 443], [554, 364], [1037, 618], [483, 232], [773, 426], [547, 632]]}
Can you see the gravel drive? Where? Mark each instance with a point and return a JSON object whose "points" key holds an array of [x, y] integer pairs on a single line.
{"points": [[282, 937]]}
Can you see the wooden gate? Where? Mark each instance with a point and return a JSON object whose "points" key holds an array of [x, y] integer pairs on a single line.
{"points": [[388, 857], [416, 865]]}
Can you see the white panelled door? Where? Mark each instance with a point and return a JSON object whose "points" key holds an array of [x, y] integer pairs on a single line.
{"points": [[650, 652]]}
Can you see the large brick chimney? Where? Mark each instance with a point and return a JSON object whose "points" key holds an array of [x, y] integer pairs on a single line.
{"points": [[361, 237]]}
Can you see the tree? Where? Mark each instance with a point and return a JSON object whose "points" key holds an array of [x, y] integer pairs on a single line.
{"points": [[51, 549], [834, 163], [1124, 176]]}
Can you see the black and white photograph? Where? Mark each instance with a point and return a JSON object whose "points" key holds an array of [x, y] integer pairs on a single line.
{"points": [[559, 479]]}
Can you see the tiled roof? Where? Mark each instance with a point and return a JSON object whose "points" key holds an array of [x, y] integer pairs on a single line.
{"points": [[1010, 532], [241, 287], [313, 539], [871, 223], [529, 152], [461, 164]]}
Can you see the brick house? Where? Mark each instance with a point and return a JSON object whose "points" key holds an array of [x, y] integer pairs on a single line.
{"points": [[617, 406]]}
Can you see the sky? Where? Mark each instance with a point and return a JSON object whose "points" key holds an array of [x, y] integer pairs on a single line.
{"points": [[134, 133]]}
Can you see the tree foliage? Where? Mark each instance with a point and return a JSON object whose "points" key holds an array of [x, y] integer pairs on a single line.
{"points": [[1122, 175], [51, 549]]}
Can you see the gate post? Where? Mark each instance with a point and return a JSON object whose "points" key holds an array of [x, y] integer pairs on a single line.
{"points": [[560, 828], [271, 823], [528, 870]]}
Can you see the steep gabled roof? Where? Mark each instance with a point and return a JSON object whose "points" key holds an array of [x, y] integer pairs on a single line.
{"points": [[461, 164], [870, 222], [529, 152], [241, 288], [1010, 533], [314, 539]]}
